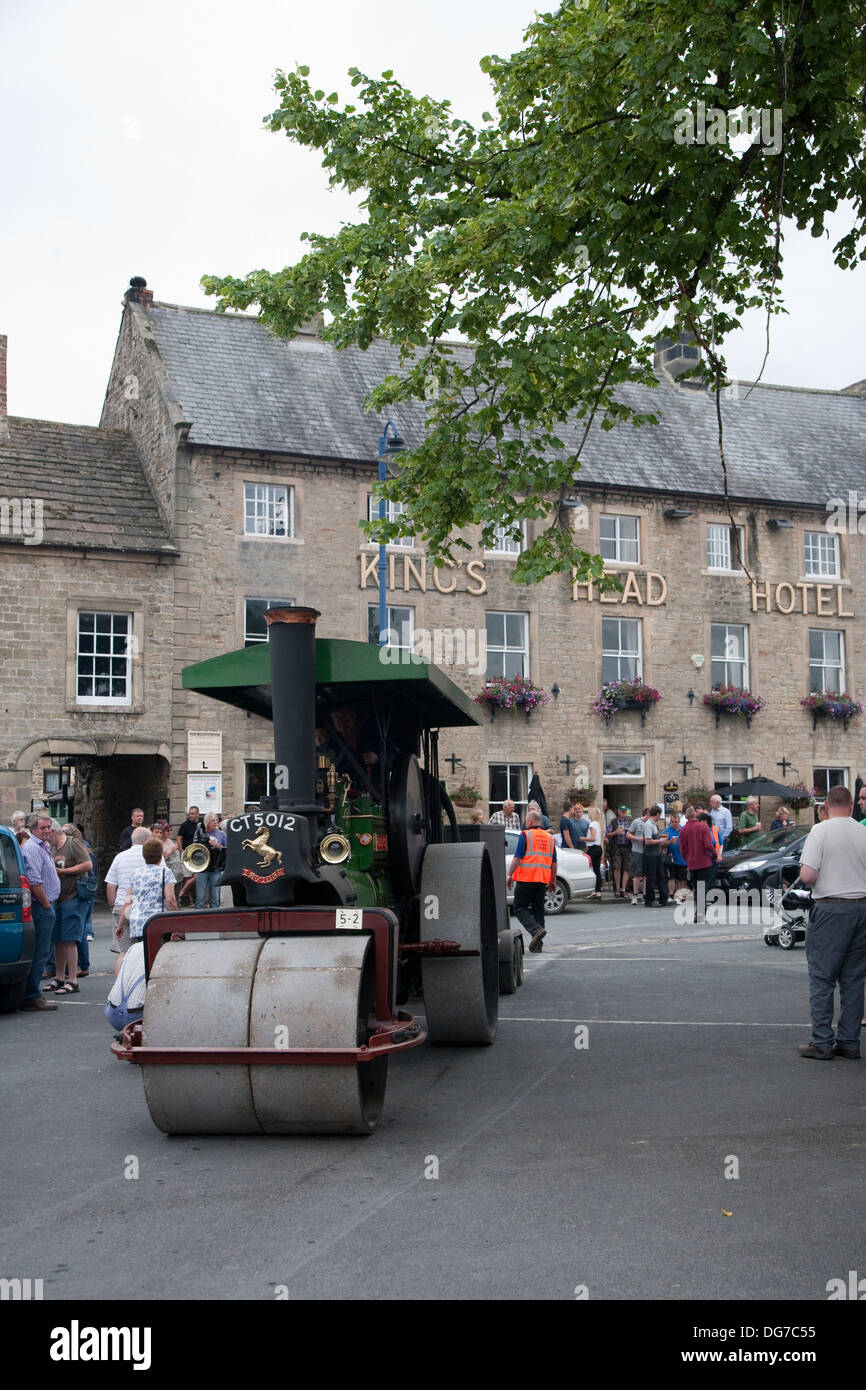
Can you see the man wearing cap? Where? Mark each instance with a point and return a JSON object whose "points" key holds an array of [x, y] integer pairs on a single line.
{"points": [[619, 849], [833, 864]]}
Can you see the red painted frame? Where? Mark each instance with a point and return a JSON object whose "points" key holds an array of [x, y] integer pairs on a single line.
{"points": [[391, 1032]]}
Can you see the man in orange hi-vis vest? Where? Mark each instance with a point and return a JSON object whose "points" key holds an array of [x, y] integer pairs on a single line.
{"points": [[533, 870]]}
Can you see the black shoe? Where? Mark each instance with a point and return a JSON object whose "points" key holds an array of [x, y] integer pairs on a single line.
{"points": [[819, 1054], [537, 939], [852, 1053]]}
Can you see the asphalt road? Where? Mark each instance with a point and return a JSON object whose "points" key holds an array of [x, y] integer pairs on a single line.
{"points": [[567, 1162]]}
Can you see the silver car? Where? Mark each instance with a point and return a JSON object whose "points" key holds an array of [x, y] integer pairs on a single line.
{"points": [[574, 876]]}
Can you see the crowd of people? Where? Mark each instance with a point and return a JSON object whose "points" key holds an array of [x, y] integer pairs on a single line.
{"points": [[148, 874], [656, 858], [662, 854]]}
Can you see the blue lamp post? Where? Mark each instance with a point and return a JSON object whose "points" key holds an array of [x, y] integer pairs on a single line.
{"points": [[387, 448]]}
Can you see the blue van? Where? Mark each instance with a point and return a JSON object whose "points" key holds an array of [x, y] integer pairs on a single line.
{"points": [[17, 934]]}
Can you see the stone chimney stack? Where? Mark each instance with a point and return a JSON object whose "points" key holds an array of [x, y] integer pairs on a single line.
{"points": [[138, 293]]}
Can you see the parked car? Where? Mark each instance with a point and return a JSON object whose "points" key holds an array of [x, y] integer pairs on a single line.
{"points": [[771, 860], [574, 876], [16, 924]]}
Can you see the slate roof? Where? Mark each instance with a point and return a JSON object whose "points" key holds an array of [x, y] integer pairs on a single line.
{"points": [[242, 389], [92, 484]]}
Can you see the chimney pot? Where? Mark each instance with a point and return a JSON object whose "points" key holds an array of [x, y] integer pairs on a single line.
{"points": [[138, 293]]}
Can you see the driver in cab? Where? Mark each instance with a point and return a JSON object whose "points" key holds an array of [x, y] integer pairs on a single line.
{"points": [[533, 870], [349, 745]]}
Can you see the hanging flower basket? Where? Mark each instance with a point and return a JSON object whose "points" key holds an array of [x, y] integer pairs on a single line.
{"points": [[730, 699], [620, 695], [466, 795], [801, 797], [840, 707], [514, 692]]}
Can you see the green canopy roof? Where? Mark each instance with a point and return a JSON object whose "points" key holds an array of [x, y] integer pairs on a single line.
{"points": [[345, 672]]}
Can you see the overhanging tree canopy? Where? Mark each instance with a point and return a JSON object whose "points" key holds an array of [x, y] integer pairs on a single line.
{"points": [[606, 199]]}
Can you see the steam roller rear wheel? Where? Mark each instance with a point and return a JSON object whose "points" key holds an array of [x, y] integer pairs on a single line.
{"points": [[458, 903], [285, 992]]}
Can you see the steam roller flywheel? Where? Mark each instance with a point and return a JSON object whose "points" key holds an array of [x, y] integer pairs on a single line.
{"points": [[294, 992], [458, 903]]}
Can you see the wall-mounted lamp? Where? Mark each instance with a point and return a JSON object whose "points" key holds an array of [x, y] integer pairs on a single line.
{"points": [[554, 690], [691, 697], [780, 523], [677, 513]]}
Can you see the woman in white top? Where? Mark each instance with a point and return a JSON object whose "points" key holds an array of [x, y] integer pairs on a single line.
{"points": [[595, 845]]}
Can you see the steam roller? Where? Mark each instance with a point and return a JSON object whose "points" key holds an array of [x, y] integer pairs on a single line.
{"points": [[354, 890]]}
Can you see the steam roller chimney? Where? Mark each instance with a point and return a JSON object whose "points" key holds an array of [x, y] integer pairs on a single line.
{"points": [[292, 642]]}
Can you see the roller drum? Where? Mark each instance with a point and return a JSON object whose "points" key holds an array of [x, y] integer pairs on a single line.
{"points": [[295, 992]]}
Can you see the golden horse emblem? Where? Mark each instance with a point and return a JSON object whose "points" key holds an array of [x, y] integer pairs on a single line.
{"points": [[261, 846]]}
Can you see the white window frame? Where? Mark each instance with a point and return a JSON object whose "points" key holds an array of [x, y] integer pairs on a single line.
{"points": [[392, 511], [619, 540], [505, 649], [505, 542], [824, 665], [395, 626], [839, 782], [252, 639], [821, 555], [730, 660], [720, 541], [735, 805], [117, 700], [621, 653], [511, 770], [260, 506]]}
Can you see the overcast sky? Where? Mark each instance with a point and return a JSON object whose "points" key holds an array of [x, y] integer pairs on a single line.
{"points": [[134, 147]]}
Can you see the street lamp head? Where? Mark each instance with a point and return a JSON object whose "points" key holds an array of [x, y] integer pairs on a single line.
{"points": [[394, 444]]}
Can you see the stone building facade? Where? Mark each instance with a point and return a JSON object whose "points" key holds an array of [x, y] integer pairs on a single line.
{"points": [[257, 463], [86, 625]]}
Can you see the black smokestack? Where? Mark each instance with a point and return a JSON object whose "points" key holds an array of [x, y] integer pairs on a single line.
{"points": [[292, 641]]}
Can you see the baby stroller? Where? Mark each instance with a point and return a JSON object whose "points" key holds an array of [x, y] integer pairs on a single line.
{"points": [[791, 904]]}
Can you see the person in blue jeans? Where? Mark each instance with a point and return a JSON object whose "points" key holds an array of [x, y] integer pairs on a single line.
{"points": [[45, 890], [207, 893], [87, 937]]}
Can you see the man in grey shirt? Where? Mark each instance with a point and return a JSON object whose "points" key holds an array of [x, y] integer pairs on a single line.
{"points": [[833, 863], [637, 834]]}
